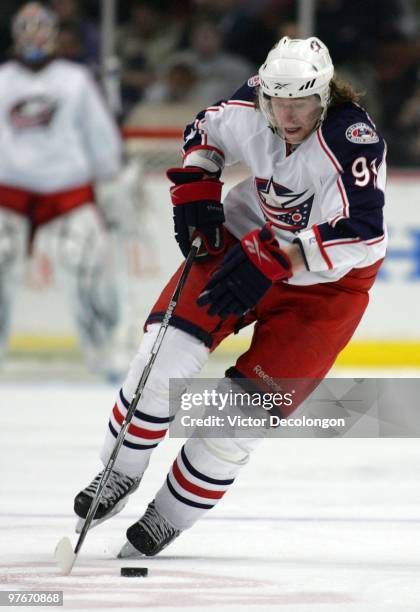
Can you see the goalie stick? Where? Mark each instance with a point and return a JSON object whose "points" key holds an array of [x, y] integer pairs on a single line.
{"points": [[65, 556]]}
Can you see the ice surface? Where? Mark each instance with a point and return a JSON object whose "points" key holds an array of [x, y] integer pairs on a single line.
{"points": [[310, 525]]}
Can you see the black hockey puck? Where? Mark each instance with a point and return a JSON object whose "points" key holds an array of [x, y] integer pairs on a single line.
{"points": [[134, 571]]}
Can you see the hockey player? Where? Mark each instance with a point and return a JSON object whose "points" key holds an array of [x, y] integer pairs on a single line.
{"points": [[294, 248], [57, 141]]}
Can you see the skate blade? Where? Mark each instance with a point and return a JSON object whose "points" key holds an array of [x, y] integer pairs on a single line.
{"points": [[64, 556], [129, 552], [120, 506]]}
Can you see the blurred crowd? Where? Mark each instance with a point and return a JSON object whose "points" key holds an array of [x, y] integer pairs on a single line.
{"points": [[195, 52]]}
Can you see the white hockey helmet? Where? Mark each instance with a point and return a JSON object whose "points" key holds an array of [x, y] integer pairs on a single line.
{"points": [[296, 68], [34, 31]]}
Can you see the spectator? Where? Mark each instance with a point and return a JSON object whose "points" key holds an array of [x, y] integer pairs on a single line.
{"points": [[251, 28], [69, 12], [408, 129], [219, 72], [178, 84], [398, 74], [358, 36], [143, 46], [70, 43]]}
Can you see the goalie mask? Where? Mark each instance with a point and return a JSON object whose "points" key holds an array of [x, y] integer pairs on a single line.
{"points": [[295, 69], [34, 31]]}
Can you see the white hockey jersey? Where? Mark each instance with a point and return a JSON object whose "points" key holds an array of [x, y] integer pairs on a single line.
{"points": [[55, 131], [327, 194]]}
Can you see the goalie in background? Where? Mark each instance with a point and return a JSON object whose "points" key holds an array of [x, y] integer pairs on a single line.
{"points": [[60, 151]]}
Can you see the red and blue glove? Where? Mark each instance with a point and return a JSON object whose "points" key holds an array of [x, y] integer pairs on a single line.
{"points": [[248, 271], [197, 209]]}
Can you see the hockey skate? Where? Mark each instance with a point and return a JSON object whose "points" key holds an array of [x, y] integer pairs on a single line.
{"points": [[151, 534], [113, 500]]}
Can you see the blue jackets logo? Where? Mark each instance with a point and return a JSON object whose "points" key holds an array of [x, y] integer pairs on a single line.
{"points": [[284, 208], [31, 112]]}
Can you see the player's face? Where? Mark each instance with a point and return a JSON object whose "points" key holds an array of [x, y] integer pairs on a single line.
{"points": [[296, 118]]}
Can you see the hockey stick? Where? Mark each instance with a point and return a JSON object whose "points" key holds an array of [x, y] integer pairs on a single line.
{"points": [[65, 556]]}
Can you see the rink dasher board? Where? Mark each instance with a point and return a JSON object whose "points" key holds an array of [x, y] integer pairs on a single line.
{"points": [[42, 324]]}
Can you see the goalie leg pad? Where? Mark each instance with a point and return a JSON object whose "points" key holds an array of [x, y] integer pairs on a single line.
{"points": [[79, 246], [14, 236]]}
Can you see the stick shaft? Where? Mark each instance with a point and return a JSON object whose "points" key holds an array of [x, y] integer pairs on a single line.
{"points": [[139, 390]]}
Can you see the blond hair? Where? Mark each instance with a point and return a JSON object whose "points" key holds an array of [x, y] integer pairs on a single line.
{"points": [[341, 92]]}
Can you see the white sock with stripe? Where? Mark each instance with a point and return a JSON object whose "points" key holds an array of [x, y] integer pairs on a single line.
{"points": [[181, 356], [200, 476]]}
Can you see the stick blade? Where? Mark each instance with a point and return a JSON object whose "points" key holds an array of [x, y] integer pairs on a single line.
{"points": [[65, 556]]}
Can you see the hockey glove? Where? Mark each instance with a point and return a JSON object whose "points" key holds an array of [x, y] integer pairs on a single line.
{"points": [[248, 271], [197, 209]]}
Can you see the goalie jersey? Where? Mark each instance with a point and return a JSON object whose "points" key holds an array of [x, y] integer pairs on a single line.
{"points": [[327, 194], [56, 132]]}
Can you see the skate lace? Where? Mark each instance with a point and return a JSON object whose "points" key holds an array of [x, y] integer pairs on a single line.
{"points": [[116, 486], [156, 526]]}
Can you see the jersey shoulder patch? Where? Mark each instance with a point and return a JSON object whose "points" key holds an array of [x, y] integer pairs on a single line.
{"points": [[248, 91], [254, 81], [361, 133], [348, 132]]}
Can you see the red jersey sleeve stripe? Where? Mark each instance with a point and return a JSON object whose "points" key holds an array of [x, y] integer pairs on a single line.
{"points": [[321, 247], [343, 197], [328, 152]]}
